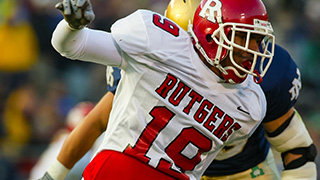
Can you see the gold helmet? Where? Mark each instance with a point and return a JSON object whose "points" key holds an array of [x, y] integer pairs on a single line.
{"points": [[182, 11]]}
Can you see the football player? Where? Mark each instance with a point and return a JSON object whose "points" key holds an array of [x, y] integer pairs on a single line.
{"points": [[117, 77], [176, 103], [230, 70]]}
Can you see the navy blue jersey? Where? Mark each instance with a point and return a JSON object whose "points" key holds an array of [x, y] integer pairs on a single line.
{"points": [[113, 77], [281, 86]]}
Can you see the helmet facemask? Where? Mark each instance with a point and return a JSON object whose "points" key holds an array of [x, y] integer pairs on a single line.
{"points": [[259, 29], [224, 37]]}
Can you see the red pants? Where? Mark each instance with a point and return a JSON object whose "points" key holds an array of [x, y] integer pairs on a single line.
{"points": [[113, 165]]}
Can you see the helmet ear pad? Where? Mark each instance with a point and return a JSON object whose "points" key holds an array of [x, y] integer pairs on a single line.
{"points": [[210, 46], [231, 74]]}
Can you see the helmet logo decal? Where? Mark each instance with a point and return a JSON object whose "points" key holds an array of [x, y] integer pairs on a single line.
{"points": [[263, 26], [210, 8]]}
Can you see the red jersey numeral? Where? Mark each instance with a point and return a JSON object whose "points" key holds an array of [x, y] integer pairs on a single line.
{"points": [[188, 138], [166, 25], [161, 117]]}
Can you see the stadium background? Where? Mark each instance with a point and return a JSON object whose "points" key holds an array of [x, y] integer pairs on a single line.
{"points": [[38, 87]]}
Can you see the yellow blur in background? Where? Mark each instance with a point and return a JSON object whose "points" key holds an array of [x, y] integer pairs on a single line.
{"points": [[18, 41]]}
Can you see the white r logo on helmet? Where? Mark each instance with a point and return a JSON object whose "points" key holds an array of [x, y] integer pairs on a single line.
{"points": [[210, 8]]}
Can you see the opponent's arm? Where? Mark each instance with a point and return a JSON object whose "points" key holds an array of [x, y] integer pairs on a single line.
{"points": [[289, 136], [81, 139], [73, 40]]}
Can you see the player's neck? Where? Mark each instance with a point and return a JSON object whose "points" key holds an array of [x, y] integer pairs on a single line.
{"points": [[212, 68]]}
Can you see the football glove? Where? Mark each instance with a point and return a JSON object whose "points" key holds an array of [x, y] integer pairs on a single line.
{"points": [[78, 13], [46, 177]]}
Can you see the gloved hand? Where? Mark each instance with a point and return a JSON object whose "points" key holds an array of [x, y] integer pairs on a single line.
{"points": [[46, 177], [78, 13]]}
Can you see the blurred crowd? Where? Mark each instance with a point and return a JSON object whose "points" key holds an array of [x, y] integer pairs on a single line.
{"points": [[39, 87]]}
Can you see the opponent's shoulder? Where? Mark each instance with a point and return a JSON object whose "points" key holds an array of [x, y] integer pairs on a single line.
{"points": [[281, 84], [282, 71]]}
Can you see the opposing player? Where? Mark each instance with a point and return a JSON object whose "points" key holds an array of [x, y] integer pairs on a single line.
{"points": [[171, 124], [253, 159]]}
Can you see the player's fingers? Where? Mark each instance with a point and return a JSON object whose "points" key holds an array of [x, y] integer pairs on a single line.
{"points": [[77, 12], [66, 7], [81, 3], [89, 14], [59, 6]]}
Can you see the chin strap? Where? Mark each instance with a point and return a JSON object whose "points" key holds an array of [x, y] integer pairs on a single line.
{"points": [[258, 79]]}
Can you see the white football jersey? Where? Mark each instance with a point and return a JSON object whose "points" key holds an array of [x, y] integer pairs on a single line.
{"points": [[170, 110]]}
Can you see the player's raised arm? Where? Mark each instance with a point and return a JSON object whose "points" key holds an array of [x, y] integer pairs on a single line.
{"points": [[75, 41]]}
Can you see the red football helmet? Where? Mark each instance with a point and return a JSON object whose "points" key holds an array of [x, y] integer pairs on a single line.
{"points": [[214, 28]]}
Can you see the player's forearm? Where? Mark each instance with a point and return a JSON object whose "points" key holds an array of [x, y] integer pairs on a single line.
{"points": [[297, 150], [85, 44], [78, 143], [83, 137], [66, 40]]}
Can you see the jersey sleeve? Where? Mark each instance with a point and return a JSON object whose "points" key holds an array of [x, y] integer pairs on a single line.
{"points": [[148, 35], [113, 77], [86, 45], [281, 85]]}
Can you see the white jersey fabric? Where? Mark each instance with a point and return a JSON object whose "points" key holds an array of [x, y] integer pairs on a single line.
{"points": [[170, 110]]}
